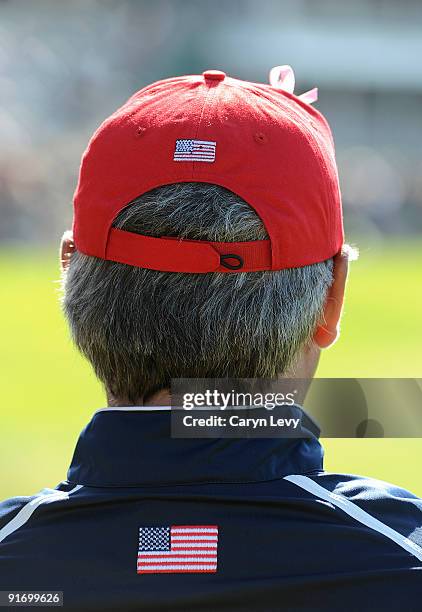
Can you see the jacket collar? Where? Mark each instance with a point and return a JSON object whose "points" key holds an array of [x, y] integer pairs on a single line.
{"points": [[124, 447]]}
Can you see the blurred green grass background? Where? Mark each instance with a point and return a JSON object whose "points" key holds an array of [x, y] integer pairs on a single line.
{"points": [[48, 391]]}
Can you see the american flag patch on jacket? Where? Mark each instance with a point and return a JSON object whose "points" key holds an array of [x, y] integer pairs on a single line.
{"points": [[178, 549], [194, 150]]}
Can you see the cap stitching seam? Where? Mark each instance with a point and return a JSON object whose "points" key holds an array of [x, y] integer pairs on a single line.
{"points": [[207, 102]]}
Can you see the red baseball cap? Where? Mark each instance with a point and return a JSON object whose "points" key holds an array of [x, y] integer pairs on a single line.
{"points": [[262, 142]]}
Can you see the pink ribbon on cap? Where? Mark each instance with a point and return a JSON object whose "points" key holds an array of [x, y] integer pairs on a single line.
{"points": [[283, 77]]}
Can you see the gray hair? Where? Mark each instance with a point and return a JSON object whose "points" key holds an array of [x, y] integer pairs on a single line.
{"points": [[139, 328]]}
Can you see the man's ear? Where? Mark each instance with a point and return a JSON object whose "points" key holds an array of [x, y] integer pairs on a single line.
{"points": [[67, 247], [328, 329]]}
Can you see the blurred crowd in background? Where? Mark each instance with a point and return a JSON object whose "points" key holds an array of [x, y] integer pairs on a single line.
{"points": [[65, 66]]}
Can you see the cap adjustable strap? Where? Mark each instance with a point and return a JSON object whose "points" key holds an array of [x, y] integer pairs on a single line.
{"points": [[179, 255]]}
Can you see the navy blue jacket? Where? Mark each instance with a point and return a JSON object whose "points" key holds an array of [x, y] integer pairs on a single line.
{"points": [[148, 522]]}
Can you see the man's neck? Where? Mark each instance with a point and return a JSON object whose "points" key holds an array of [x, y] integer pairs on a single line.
{"points": [[303, 370], [161, 398]]}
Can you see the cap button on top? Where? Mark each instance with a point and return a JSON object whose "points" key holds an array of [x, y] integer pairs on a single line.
{"points": [[214, 75]]}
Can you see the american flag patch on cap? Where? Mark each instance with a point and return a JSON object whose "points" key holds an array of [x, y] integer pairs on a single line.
{"points": [[194, 150], [178, 549]]}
